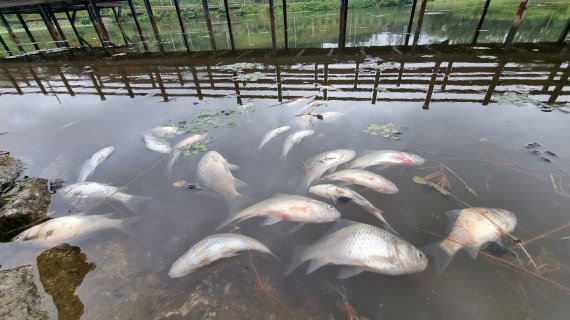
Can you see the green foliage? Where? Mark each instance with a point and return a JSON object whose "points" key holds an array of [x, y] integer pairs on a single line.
{"points": [[250, 9], [384, 130]]}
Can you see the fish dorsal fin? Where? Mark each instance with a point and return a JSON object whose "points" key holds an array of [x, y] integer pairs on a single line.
{"points": [[347, 272], [233, 167], [315, 264], [338, 225], [452, 216]]}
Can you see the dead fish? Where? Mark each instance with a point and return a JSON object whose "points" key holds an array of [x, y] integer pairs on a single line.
{"points": [[293, 139], [470, 229], [287, 208], [164, 131], [316, 103], [95, 160], [88, 194], [319, 164], [180, 146], [363, 178], [155, 144], [272, 134], [213, 248], [72, 229], [360, 247], [213, 174], [340, 194], [331, 116], [300, 101], [386, 158], [329, 88]]}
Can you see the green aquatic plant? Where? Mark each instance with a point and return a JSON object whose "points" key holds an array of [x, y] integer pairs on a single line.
{"points": [[238, 67], [516, 99], [385, 130], [197, 147]]}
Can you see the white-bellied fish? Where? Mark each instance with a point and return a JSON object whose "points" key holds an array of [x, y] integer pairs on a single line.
{"points": [[319, 164], [293, 139], [156, 144], [72, 229], [386, 158], [341, 194], [287, 208], [470, 229], [89, 166], [363, 178], [180, 146], [164, 131], [213, 248], [88, 194], [361, 247], [272, 134]]}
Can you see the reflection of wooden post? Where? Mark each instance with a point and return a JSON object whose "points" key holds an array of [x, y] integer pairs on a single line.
{"points": [[285, 25], [561, 83], [154, 25], [37, 80], [279, 91], [126, 82], [230, 31], [420, 23], [161, 86], [326, 80], [196, 82], [82, 42], [6, 48], [481, 20], [209, 70], [400, 74], [494, 83], [411, 22], [342, 24], [120, 24], [431, 85], [49, 25], [11, 33], [151, 77], [551, 76], [564, 33], [316, 72], [376, 83], [182, 25], [13, 81], [138, 25], [272, 25], [57, 26], [447, 73], [236, 86], [180, 78], [517, 22], [28, 32], [66, 84], [209, 25], [97, 86], [356, 70]]}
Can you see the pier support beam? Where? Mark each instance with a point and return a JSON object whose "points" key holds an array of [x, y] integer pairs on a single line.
{"points": [[49, 25], [419, 25], [57, 26], [481, 20], [120, 24], [517, 22], [272, 24], [285, 25], [230, 30], [82, 42], [154, 25], [564, 33], [138, 25], [11, 33], [6, 48], [99, 26], [209, 25], [342, 24], [183, 26], [411, 22], [28, 32]]}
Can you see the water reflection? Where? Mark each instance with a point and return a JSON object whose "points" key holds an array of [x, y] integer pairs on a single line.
{"points": [[62, 270]]}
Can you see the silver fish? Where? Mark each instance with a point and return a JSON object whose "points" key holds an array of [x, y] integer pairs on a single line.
{"points": [[470, 229], [360, 247], [72, 229], [164, 131], [180, 146], [272, 134], [287, 208], [386, 158], [300, 100], [364, 178], [331, 116], [155, 144], [213, 248], [89, 166], [88, 194], [339, 194], [319, 164], [293, 139]]}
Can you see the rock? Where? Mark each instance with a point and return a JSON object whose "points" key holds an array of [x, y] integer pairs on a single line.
{"points": [[19, 295], [10, 170], [26, 207]]}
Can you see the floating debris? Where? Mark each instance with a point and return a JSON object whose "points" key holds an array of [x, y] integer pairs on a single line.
{"points": [[550, 153], [385, 130]]}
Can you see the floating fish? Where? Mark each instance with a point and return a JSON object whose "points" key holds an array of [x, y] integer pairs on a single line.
{"points": [[272, 134], [300, 101], [363, 178], [164, 131], [88, 194], [340, 194], [72, 229], [316, 103], [331, 116], [319, 164], [95, 160], [156, 144], [386, 158], [213, 174], [329, 88], [360, 247], [470, 229], [180, 146], [293, 139], [287, 208], [213, 248]]}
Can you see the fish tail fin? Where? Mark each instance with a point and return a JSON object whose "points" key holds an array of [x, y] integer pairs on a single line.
{"points": [[126, 225], [296, 260], [239, 203], [238, 216], [259, 147], [442, 252], [133, 203], [171, 160], [379, 214]]}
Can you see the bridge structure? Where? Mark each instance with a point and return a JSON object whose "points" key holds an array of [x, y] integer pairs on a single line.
{"points": [[47, 9]]}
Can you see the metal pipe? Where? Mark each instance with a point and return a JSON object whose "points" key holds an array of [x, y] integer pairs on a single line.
{"points": [[49, 25], [57, 26], [342, 24], [82, 42], [230, 31], [182, 26], [517, 22], [120, 24], [28, 32], [138, 25], [209, 26], [419, 25], [564, 33], [285, 25], [272, 24], [411, 22], [11, 33], [154, 25], [481, 20]]}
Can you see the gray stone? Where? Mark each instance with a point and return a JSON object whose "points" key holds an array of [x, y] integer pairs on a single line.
{"points": [[19, 297], [10, 170], [26, 207]]}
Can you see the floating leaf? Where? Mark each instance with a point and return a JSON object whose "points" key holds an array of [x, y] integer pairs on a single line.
{"points": [[180, 183]]}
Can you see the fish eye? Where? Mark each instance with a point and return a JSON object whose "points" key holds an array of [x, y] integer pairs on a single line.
{"points": [[421, 255], [331, 207]]}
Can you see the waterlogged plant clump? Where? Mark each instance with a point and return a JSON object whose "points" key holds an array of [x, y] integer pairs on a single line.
{"points": [[385, 130]]}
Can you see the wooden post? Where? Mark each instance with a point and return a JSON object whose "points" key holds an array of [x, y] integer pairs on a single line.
{"points": [[138, 25], [182, 25], [564, 33], [434, 74], [481, 20], [230, 30], [342, 24], [448, 69], [494, 83], [66, 84], [6, 48], [209, 26], [419, 25], [561, 83], [13, 81], [57, 26], [49, 25], [120, 24], [411, 22], [28, 32], [82, 42], [98, 24], [11, 33], [272, 24], [517, 22], [285, 25], [154, 26]]}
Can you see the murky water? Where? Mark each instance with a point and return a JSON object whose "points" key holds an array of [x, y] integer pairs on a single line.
{"points": [[449, 109]]}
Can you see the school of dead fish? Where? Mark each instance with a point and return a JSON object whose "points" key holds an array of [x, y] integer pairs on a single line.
{"points": [[354, 247]]}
